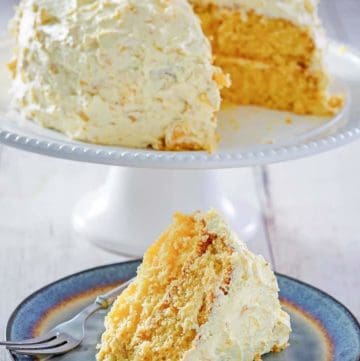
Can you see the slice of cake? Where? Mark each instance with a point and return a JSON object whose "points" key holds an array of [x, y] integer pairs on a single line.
{"points": [[200, 294], [119, 72], [273, 50]]}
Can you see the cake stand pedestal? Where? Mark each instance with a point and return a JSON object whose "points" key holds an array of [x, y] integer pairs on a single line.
{"points": [[145, 187], [134, 205]]}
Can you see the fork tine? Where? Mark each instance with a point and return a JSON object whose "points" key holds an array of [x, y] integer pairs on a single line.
{"points": [[48, 351], [56, 342], [31, 341]]}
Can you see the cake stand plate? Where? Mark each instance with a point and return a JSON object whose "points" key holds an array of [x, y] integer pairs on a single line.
{"points": [[132, 203], [249, 135]]}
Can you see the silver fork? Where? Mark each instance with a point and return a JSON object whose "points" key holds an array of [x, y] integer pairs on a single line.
{"points": [[68, 335]]}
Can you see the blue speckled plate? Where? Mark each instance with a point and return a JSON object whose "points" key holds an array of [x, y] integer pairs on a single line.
{"points": [[323, 329]]}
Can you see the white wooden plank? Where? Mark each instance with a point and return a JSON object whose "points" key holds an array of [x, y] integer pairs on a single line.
{"points": [[341, 20], [316, 211]]}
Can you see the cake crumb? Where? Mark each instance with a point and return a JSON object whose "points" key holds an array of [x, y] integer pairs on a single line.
{"points": [[342, 49], [235, 124], [288, 120]]}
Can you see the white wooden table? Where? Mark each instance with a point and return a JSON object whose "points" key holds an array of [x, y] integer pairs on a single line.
{"points": [[312, 230]]}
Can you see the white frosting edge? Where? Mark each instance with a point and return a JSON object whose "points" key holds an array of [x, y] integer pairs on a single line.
{"points": [[248, 321]]}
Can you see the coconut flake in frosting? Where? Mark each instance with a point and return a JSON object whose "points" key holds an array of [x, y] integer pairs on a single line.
{"points": [[124, 72]]}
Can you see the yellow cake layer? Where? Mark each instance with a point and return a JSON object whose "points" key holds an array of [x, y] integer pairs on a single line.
{"points": [[249, 35], [288, 88], [272, 62], [158, 316]]}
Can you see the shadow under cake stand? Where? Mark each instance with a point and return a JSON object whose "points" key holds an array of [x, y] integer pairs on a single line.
{"points": [[144, 187]]}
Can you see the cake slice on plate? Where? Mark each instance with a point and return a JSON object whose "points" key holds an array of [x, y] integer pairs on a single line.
{"points": [[200, 294], [117, 72], [274, 52]]}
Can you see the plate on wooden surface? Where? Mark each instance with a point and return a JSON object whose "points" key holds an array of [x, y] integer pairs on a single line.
{"points": [[249, 135], [323, 329]]}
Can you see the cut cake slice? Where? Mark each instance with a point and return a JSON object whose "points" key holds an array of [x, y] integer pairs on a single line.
{"points": [[200, 294]]}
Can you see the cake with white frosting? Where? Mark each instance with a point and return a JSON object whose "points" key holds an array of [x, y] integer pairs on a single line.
{"points": [[140, 73], [118, 72], [199, 294], [274, 52]]}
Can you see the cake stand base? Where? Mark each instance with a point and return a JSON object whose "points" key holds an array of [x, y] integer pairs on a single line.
{"points": [[134, 206]]}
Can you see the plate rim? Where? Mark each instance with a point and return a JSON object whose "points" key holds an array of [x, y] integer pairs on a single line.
{"points": [[144, 158], [13, 314]]}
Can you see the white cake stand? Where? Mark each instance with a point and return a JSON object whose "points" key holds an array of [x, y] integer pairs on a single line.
{"points": [[144, 187]]}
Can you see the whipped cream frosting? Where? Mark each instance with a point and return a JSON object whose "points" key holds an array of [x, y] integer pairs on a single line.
{"points": [[125, 72], [248, 321]]}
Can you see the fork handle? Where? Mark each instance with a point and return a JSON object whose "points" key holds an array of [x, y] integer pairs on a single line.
{"points": [[107, 299], [102, 302]]}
